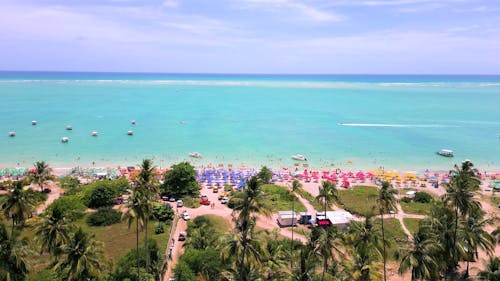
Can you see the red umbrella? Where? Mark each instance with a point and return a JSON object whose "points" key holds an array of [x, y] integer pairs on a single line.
{"points": [[346, 183]]}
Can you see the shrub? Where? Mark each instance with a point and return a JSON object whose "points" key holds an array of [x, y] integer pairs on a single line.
{"points": [[45, 275], [102, 196], [70, 206], [39, 197], [406, 199], [159, 228], [163, 212], [68, 182], [423, 197], [103, 217], [265, 175]]}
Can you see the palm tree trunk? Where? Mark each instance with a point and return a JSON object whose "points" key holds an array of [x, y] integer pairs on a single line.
{"points": [[325, 264], [146, 248], [383, 243], [291, 243], [467, 270], [13, 225], [242, 261], [455, 259], [137, 246]]}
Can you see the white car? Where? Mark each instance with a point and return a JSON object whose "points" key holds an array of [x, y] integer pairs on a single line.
{"points": [[180, 203], [186, 216], [224, 200]]}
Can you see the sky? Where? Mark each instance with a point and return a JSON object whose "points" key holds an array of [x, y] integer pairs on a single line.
{"points": [[252, 36]]}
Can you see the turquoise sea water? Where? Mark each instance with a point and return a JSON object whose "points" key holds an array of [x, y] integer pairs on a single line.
{"points": [[391, 121]]}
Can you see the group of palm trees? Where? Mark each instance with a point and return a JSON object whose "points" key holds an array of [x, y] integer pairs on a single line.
{"points": [[452, 233]]}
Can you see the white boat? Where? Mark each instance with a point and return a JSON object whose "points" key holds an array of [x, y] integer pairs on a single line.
{"points": [[445, 152], [133, 122], [299, 157], [94, 134], [195, 155], [33, 122], [12, 134], [69, 127], [130, 133], [64, 139]]}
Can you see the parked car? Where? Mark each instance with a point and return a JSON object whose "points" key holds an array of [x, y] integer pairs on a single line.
{"points": [[186, 216], [171, 199], [224, 200], [215, 190], [204, 200], [182, 236], [164, 198], [180, 203]]}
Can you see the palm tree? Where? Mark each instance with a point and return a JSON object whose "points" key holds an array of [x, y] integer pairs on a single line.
{"points": [[250, 203], [135, 211], [462, 187], [296, 186], [147, 186], [18, 205], [14, 256], [473, 236], [53, 231], [492, 270], [364, 248], [328, 194], [307, 263], [84, 257], [41, 174], [327, 241], [386, 202], [420, 257]]}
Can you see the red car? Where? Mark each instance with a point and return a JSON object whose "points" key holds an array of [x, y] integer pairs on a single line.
{"points": [[204, 200]]}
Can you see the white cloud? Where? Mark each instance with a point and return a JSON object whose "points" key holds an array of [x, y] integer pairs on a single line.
{"points": [[305, 10], [171, 3]]}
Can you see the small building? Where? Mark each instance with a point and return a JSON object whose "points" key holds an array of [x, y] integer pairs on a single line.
{"points": [[339, 219], [287, 218]]}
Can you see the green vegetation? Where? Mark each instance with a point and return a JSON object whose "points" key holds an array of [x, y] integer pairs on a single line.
{"points": [[280, 198], [69, 182], [306, 195], [394, 234], [265, 175], [416, 207], [361, 200], [191, 202], [412, 224], [103, 217], [102, 196], [180, 181], [162, 212], [71, 206]]}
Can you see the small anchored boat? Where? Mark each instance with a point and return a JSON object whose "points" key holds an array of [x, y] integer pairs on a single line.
{"points": [[299, 157], [69, 127], [64, 139], [94, 134], [130, 133], [132, 122], [195, 155], [33, 122], [12, 134], [445, 152]]}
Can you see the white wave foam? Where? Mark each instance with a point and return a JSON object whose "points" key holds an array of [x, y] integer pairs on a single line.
{"points": [[256, 83], [394, 125]]}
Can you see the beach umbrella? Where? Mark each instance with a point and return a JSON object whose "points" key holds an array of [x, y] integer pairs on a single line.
{"points": [[346, 183]]}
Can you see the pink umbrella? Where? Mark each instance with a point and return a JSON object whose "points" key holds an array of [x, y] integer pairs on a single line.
{"points": [[346, 183]]}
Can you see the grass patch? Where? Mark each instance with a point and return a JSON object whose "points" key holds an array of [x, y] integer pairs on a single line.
{"points": [[307, 196], [394, 234], [219, 223], [117, 239], [280, 198], [361, 200], [191, 202], [412, 224], [416, 207]]}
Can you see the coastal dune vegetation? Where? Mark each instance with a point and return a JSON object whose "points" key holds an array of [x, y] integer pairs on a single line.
{"points": [[120, 229]]}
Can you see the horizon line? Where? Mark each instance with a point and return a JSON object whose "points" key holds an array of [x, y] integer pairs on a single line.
{"points": [[249, 73]]}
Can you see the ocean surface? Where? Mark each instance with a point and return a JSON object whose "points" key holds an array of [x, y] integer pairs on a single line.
{"points": [[346, 121]]}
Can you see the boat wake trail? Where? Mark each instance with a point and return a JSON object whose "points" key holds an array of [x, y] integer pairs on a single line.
{"points": [[394, 125]]}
